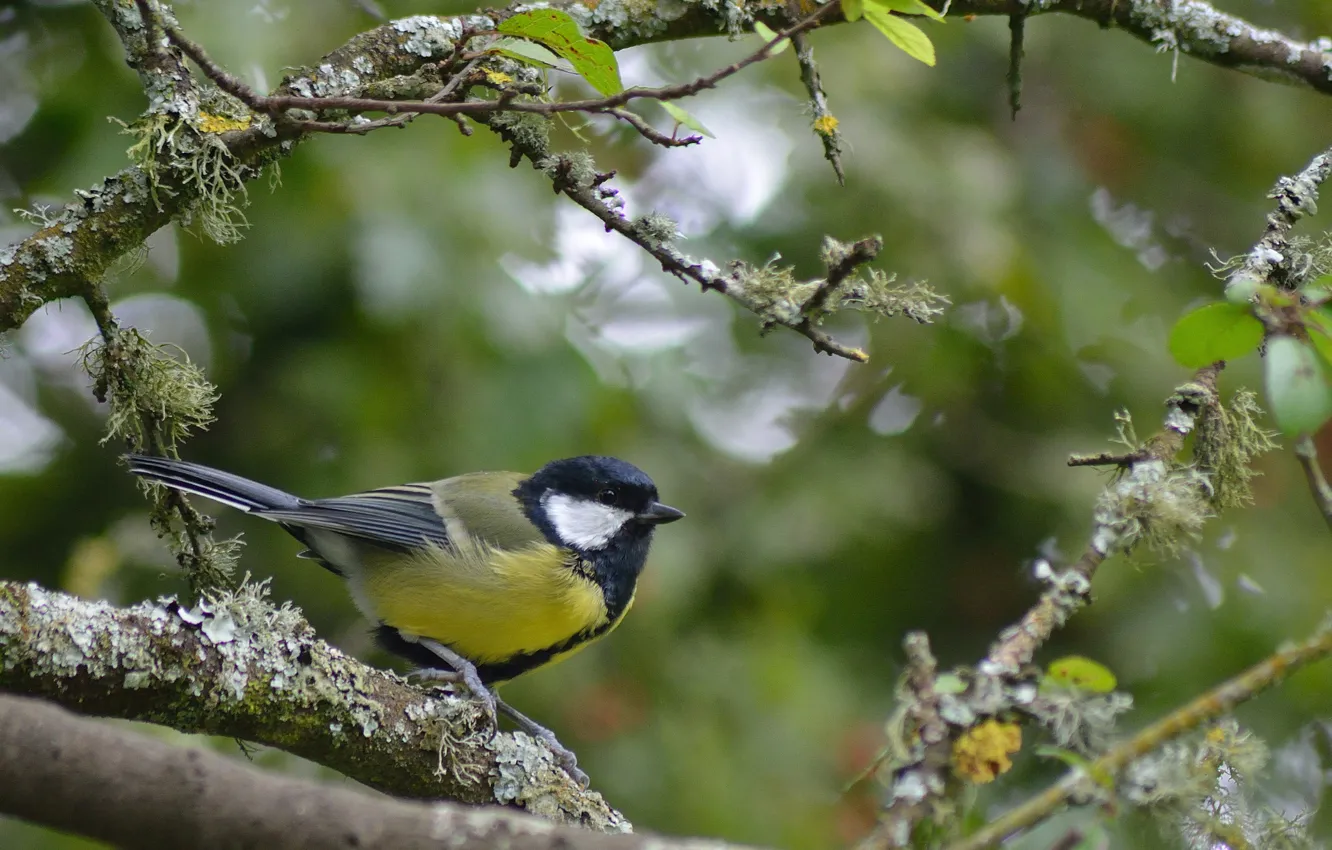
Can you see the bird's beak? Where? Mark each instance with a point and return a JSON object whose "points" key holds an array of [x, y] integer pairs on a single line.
{"points": [[657, 514]]}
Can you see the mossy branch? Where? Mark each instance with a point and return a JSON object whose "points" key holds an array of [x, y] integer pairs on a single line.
{"points": [[72, 253], [1156, 501], [1087, 783], [235, 665]]}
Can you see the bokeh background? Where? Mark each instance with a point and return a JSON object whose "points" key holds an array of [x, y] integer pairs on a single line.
{"points": [[405, 306]]}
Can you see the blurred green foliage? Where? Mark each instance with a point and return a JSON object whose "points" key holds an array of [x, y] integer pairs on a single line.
{"points": [[404, 307]]}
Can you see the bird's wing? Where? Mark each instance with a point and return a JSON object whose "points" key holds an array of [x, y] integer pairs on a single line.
{"points": [[481, 507], [402, 517]]}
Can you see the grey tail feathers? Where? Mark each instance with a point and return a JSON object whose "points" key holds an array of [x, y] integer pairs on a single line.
{"points": [[230, 490]]}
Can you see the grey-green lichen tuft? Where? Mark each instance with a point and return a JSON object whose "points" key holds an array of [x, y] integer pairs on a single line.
{"points": [[657, 229], [576, 168], [882, 296], [156, 396], [174, 154], [1155, 504], [773, 291], [1079, 720], [1229, 437], [1203, 789]]}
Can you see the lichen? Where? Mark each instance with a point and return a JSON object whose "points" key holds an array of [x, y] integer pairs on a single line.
{"points": [[777, 296], [825, 125], [1229, 437], [155, 394], [983, 752], [1080, 721], [1156, 504], [173, 155]]}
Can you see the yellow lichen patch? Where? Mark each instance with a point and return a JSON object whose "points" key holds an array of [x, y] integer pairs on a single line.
{"points": [[825, 125], [982, 753], [221, 124], [498, 78]]}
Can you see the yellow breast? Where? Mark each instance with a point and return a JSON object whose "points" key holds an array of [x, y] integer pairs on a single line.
{"points": [[489, 605]]}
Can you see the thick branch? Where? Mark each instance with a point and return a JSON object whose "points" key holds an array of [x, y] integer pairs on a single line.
{"points": [[71, 774], [238, 667]]}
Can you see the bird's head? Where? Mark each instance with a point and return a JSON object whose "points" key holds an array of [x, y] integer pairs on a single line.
{"points": [[590, 503]]}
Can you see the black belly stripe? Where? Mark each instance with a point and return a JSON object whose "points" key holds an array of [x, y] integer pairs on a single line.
{"points": [[390, 640], [615, 571]]}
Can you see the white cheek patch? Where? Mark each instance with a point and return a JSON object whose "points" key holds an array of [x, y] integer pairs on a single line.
{"points": [[581, 523]]}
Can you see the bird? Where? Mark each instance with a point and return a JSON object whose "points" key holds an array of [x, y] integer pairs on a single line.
{"points": [[493, 573]]}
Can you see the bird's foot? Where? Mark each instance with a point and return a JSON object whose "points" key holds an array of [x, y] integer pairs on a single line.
{"points": [[562, 753], [465, 671], [435, 674]]}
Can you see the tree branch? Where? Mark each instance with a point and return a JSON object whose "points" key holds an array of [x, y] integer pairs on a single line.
{"points": [[1193, 27], [71, 774], [1212, 705], [1268, 261], [239, 667], [921, 785], [1307, 453], [76, 249]]}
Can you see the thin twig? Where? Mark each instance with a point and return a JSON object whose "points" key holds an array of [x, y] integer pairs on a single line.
{"points": [[278, 103], [649, 132], [825, 123], [400, 120], [1268, 260], [861, 252], [1307, 453], [595, 197], [1106, 459], [1017, 31], [1216, 703]]}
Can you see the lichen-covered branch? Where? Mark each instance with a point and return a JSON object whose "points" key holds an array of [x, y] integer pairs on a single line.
{"points": [[197, 172], [1155, 502], [1084, 783], [1270, 260], [1193, 27], [235, 665], [69, 773]]}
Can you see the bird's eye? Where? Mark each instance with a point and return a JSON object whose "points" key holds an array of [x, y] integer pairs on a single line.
{"points": [[607, 496]]}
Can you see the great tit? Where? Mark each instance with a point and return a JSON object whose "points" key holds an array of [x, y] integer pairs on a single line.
{"points": [[495, 573]]}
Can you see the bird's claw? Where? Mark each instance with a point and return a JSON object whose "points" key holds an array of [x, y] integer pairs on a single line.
{"points": [[465, 671]]}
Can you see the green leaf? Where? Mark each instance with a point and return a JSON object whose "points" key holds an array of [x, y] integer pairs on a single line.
{"points": [[949, 683], [1318, 290], [765, 32], [907, 7], [684, 118], [1220, 331], [907, 36], [1078, 672], [853, 10], [1319, 325], [1297, 386], [530, 52], [593, 60]]}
